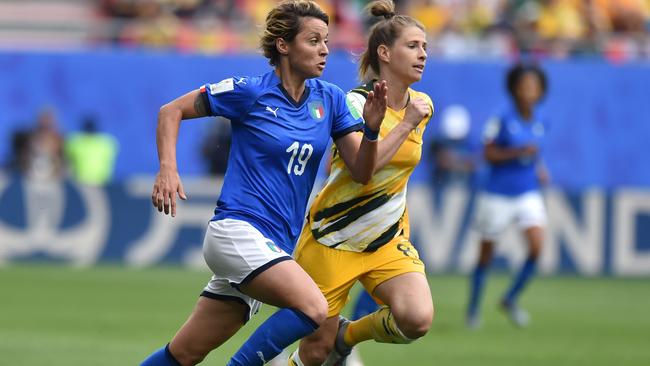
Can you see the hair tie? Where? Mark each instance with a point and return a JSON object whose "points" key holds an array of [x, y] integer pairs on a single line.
{"points": [[389, 15]]}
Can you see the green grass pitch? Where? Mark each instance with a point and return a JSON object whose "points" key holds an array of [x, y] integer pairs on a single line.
{"points": [[107, 316]]}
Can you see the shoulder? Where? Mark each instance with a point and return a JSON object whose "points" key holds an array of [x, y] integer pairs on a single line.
{"points": [[328, 91], [419, 94], [247, 85], [322, 85], [492, 128], [359, 94]]}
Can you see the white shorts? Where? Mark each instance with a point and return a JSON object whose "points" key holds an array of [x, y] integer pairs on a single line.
{"points": [[236, 252], [494, 212]]}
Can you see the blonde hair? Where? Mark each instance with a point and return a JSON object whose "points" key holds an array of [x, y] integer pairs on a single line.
{"points": [[283, 21], [384, 32]]}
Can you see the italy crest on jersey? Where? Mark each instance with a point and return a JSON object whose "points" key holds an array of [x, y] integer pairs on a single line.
{"points": [[316, 110]]}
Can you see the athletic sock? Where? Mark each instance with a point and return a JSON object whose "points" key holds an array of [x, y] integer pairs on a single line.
{"points": [[380, 326], [161, 357], [523, 277], [476, 291], [279, 331]]}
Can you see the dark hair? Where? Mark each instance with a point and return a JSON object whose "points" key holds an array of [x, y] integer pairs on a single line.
{"points": [[283, 21], [517, 71], [384, 32]]}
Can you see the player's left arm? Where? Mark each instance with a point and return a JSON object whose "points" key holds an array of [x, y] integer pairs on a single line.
{"points": [[360, 152], [542, 173]]}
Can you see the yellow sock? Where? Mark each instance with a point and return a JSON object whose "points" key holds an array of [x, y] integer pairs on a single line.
{"points": [[380, 326], [359, 330]]}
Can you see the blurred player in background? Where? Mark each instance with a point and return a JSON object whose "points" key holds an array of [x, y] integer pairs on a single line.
{"points": [[512, 192], [360, 232], [281, 125]]}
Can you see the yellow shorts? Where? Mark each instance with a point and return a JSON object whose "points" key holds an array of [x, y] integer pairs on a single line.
{"points": [[336, 271]]}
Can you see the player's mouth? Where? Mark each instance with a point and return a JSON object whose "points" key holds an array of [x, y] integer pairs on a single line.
{"points": [[419, 68], [321, 65]]}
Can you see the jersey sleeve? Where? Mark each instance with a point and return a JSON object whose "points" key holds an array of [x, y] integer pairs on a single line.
{"points": [[229, 98], [492, 132], [355, 102], [347, 118]]}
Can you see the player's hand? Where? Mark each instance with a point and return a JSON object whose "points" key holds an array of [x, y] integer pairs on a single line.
{"points": [[416, 110], [543, 177], [375, 107], [167, 184], [529, 150]]}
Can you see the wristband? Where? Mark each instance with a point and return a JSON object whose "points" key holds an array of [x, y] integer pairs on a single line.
{"points": [[369, 133]]}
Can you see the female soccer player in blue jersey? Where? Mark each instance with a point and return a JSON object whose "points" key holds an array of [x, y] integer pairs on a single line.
{"points": [[361, 233], [281, 124], [512, 192]]}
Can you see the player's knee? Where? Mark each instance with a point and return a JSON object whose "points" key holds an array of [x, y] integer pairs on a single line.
{"points": [[415, 324], [315, 308], [535, 251]]}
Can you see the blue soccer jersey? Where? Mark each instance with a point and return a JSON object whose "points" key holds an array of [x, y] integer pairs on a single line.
{"points": [[277, 145], [510, 130]]}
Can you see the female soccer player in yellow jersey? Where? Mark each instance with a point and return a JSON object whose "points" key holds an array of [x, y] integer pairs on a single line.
{"points": [[357, 232]]}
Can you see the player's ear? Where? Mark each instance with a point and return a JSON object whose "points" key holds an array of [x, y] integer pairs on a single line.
{"points": [[383, 53], [282, 46]]}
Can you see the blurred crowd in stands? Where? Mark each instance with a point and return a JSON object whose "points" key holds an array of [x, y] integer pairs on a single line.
{"points": [[615, 29], [458, 29], [41, 153]]}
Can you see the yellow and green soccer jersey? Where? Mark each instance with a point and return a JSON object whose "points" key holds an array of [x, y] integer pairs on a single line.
{"points": [[355, 217]]}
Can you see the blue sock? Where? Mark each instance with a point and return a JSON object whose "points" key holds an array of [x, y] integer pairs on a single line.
{"points": [[365, 305], [161, 357], [523, 277], [279, 331], [476, 291]]}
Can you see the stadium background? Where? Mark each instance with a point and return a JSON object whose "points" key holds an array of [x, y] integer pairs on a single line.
{"points": [[98, 277]]}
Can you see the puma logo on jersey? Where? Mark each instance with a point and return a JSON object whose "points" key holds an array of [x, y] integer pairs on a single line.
{"points": [[275, 112]]}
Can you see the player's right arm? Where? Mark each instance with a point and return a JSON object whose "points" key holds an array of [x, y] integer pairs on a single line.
{"points": [[168, 182], [495, 152], [416, 110]]}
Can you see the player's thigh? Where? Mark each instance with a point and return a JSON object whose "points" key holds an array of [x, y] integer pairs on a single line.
{"points": [[248, 265], [389, 261], [287, 285], [398, 279], [211, 323], [407, 294], [334, 271]]}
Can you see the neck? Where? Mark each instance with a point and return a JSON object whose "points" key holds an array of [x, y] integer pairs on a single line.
{"points": [[398, 95], [525, 111], [291, 82]]}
